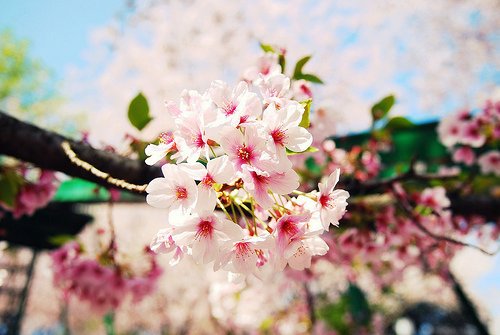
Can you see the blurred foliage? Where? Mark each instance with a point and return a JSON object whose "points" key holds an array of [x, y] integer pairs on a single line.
{"points": [[350, 311], [28, 90], [10, 182]]}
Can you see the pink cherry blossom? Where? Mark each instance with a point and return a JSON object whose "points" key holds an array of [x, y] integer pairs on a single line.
{"points": [[247, 149], [274, 88], [175, 190], [245, 256], [283, 127], [158, 152], [34, 194], [295, 245], [236, 106], [103, 285], [266, 65], [259, 183], [450, 130], [490, 162], [464, 155], [472, 134], [204, 233], [164, 243], [332, 203], [434, 198], [302, 90]]}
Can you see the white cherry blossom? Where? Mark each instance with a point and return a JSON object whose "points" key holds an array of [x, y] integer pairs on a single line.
{"points": [[176, 190], [332, 203]]}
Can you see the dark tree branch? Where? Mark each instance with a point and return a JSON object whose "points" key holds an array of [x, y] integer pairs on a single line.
{"points": [[467, 306], [43, 148]]}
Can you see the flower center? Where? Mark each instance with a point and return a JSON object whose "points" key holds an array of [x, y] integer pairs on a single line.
{"points": [[181, 192], [208, 181], [289, 228], [205, 229], [244, 153], [166, 138], [278, 136], [326, 200], [243, 250], [198, 140], [230, 108], [265, 69]]}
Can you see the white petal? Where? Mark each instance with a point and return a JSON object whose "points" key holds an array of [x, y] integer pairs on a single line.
{"points": [[160, 186], [207, 199], [221, 170], [195, 170], [160, 200], [298, 139]]}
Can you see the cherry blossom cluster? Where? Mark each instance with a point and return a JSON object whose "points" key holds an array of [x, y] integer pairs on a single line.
{"points": [[395, 242], [230, 151], [100, 282], [466, 132], [36, 187]]}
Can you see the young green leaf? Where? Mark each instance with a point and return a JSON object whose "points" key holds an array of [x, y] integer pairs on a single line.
{"points": [[305, 122], [310, 149], [311, 78], [300, 64], [267, 48], [398, 122], [59, 240], [282, 62], [382, 108], [10, 183], [138, 112]]}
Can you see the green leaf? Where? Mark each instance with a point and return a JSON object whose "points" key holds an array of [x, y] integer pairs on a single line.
{"points": [[398, 122], [138, 112], [423, 210], [358, 305], [305, 122], [267, 48], [334, 315], [310, 149], [109, 323], [312, 166], [282, 62], [10, 183], [310, 77], [59, 240], [382, 108], [300, 64]]}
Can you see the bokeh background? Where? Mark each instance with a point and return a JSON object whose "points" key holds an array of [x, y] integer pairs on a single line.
{"points": [[81, 63]]}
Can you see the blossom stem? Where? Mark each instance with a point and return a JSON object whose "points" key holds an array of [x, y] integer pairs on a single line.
{"points": [[234, 212], [310, 196], [224, 209], [240, 203], [213, 151], [249, 227]]}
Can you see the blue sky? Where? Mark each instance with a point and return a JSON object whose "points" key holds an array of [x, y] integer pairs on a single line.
{"points": [[57, 29]]}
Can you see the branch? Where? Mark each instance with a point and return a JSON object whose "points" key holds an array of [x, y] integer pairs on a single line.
{"points": [[44, 149], [388, 182], [416, 220]]}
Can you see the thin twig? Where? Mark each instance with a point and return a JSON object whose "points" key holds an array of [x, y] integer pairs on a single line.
{"points": [[310, 305], [409, 210]]}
